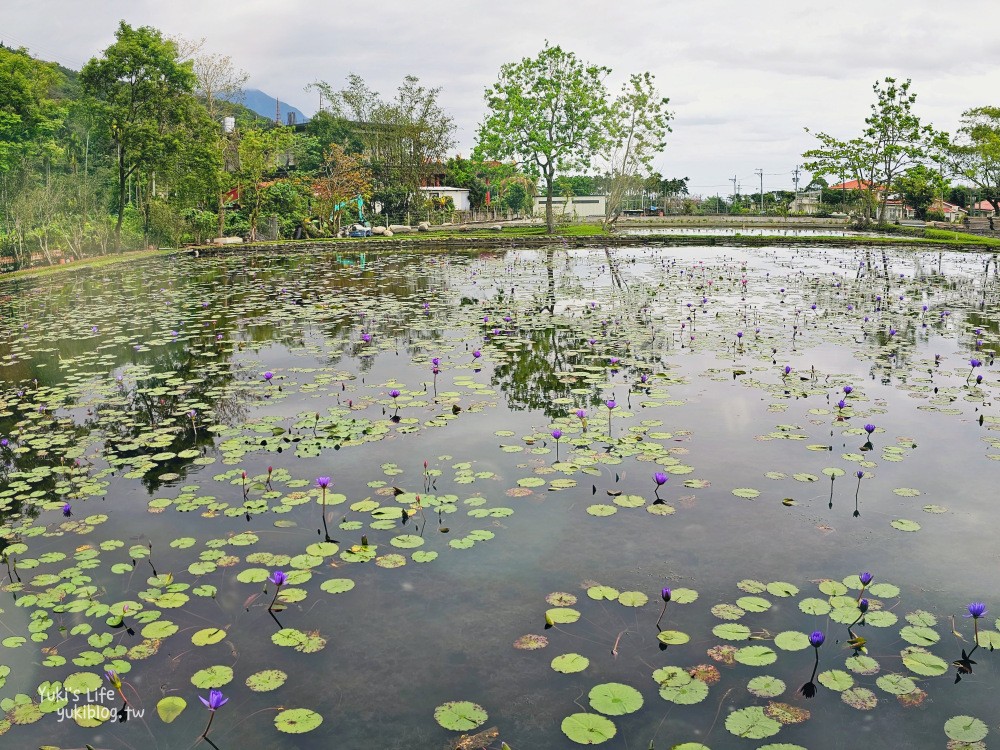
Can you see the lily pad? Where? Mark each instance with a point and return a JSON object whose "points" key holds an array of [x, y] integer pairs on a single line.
{"points": [[615, 699], [460, 716], [588, 729]]}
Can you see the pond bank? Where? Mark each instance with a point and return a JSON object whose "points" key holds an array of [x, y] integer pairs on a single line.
{"points": [[478, 241]]}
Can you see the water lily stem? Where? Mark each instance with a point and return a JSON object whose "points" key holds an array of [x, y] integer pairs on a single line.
{"points": [[661, 615], [211, 716], [277, 590]]}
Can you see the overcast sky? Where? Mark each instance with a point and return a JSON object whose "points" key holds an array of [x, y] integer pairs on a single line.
{"points": [[744, 78]]}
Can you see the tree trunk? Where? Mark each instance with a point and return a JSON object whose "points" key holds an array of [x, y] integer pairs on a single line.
{"points": [[549, 218], [222, 214], [121, 198]]}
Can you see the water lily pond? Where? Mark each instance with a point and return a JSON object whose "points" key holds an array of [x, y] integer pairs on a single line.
{"points": [[645, 497]]}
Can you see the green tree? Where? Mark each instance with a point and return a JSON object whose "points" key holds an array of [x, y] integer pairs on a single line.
{"points": [[975, 154], [139, 93], [547, 112], [893, 140], [401, 140], [637, 124], [259, 153], [919, 187]]}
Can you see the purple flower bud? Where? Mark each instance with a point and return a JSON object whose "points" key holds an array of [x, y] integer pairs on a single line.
{"points": [[268, 375], [869, 428], [863, 605], [866, 578], [394, 393], [610, 403], [581, 414], [816, 638], [976, 610], [278, 578], [215, 700], [477, 354], [665, 594], [848, 390], [67, 510], [660, 478], [556, 434]]}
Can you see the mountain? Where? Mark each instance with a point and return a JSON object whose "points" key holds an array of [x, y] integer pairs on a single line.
{"points": [[263, 104]]}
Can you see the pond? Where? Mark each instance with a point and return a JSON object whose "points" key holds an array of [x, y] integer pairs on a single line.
{"points": [[536, 496]]}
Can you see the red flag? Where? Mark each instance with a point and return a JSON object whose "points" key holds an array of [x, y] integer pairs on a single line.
{"points": [[487, 191]]}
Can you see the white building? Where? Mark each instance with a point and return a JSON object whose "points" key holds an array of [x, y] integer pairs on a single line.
{"points": [[459, 196], [580, 206]]}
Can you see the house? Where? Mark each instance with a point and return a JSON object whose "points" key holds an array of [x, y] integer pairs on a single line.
{"points": [[950, 210], [807, 202], [576, 205], [459, 196], [983, 208], [853, 185]]}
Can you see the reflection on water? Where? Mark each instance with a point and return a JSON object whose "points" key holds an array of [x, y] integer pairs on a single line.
{"points": [[137, 394]]}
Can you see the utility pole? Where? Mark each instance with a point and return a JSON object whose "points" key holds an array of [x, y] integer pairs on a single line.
{"points": [[795, 179], [760, 173], [735, 191], [277, 111]]}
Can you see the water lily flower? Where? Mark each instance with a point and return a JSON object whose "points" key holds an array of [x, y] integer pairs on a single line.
{"points": [[866, 578], [841, 404], [477, 354], [278, 578], [268, 375], [974, 363], [863, 605], [660, 478], [848, 390], [788, 369], [366, 337], [976, 610], [739, 334], [610, 403], [869, 428], [556, 434], [114, 679], [860, 473], [67, 510], [436, 361], [215, 701], [665, 594], [323, 482], [816, 638], [394, 393]]}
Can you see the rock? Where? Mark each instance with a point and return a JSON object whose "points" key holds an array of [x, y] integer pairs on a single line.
{"points": [[423, 227], [387, 233], [227, 241], [401, 228], [379, 230], [496, 227]]}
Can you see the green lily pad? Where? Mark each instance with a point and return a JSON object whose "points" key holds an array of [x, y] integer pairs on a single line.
{"points": [[297, 720], [212, 677], [765, 686], [756, 656], [170, 708], [588, 729], [570, 663], [460, 716], [965, 729], [615, 699], [207, 636], [752, 723], [266, 680]]}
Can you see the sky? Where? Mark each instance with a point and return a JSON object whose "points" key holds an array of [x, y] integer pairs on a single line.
{"points": [[744, 79]]}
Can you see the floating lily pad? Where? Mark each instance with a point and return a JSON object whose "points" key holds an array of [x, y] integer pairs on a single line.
{"points": [[297, 720], [460, 716], [266, 680], [588, 729], [965, 729], [170, 708], [752, 723], [570, 663], [615, 699]]}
